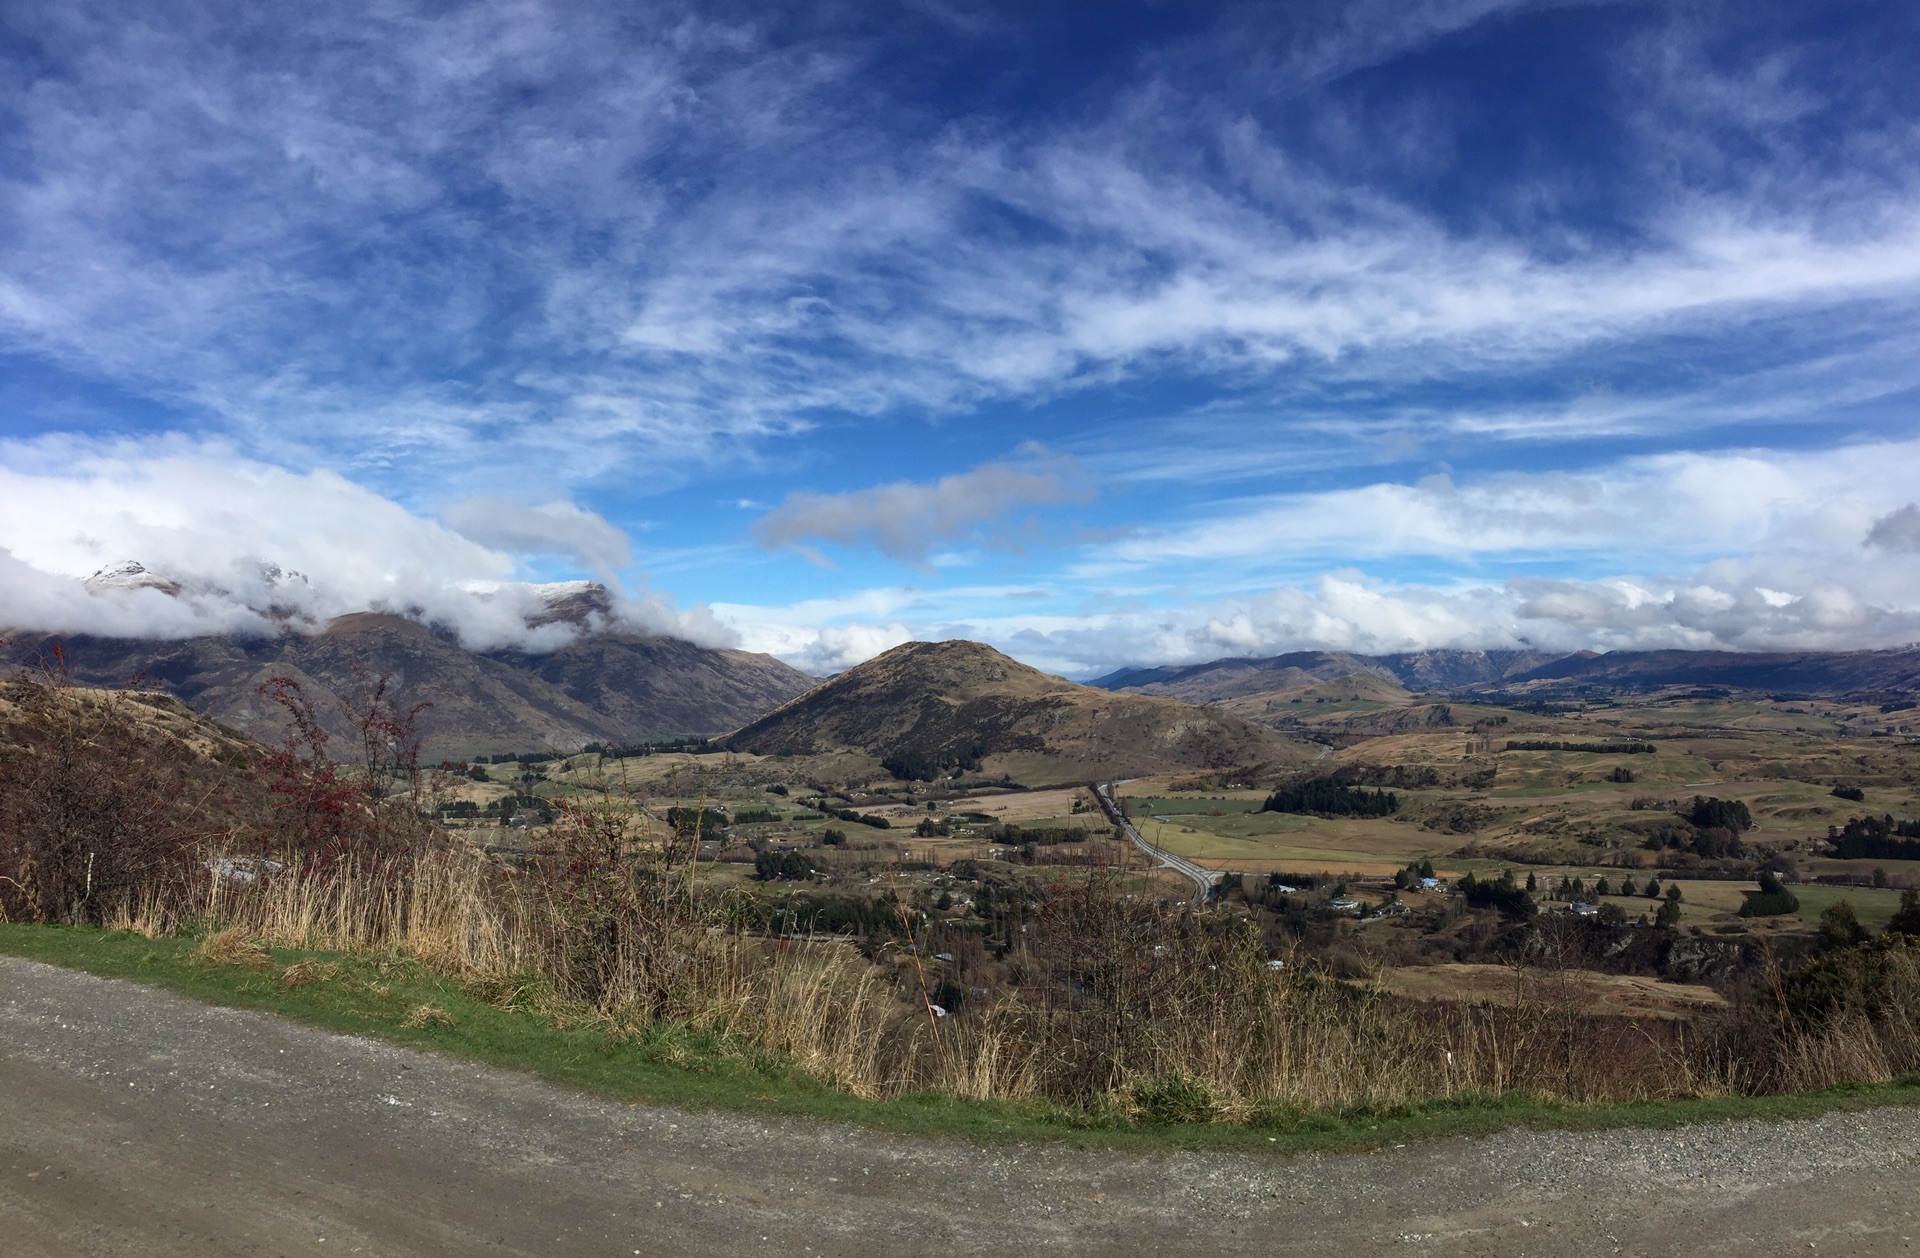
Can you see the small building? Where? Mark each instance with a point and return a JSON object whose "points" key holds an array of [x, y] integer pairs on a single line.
{"points": [[1580, 908]]}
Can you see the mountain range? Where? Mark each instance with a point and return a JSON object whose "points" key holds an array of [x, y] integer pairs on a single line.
{"points": [[1793, 672], [601, 686]]}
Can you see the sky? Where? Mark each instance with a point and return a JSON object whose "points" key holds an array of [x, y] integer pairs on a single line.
{"points": [[1114, 334]]}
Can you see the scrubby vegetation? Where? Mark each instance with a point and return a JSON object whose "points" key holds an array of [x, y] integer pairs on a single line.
{"points": [[1078, 985]]}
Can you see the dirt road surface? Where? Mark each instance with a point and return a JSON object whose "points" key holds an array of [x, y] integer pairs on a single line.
{"points": [[133, 1121]]}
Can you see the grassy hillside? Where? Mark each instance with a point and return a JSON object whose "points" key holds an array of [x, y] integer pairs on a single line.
{"points": [[966, 707]]}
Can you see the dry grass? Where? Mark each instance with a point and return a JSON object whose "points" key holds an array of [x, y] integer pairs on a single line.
{"points": [[427, 1016], [234, 946], [1597, 993], [1127, 1007]]}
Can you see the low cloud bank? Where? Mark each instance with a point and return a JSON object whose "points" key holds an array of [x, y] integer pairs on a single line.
{"points": [[1727, 606], [226, 545]]}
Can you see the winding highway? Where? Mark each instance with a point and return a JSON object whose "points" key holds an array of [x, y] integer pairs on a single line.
{"points": [[1204, 879]]}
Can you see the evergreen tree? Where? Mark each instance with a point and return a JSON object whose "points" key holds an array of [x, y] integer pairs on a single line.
{"points": [[1906, 919]]}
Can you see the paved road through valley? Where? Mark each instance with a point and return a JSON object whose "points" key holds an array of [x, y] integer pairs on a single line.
{"points": [[1204, 879]]}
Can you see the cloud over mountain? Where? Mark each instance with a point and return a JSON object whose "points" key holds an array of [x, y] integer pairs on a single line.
{"points": [[224, 544]]}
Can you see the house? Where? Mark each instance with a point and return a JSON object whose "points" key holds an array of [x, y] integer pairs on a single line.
{"points": [[1580, 908], [1429, 884]]}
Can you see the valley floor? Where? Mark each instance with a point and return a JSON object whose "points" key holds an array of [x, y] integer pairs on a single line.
{"points": [[136, 1121]]}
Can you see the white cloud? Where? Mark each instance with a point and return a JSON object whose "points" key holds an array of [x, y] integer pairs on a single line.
{"points": [[213, 522], [1747, 550], [513, 181], [1348, 611], [554, 528], [1674, 506]]}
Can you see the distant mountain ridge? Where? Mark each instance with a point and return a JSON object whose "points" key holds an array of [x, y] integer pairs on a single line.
{"points": [[1799, 672], [600, 687], [961, 703]]}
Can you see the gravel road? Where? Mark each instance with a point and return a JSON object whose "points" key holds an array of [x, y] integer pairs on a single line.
{"points": [[133, 1121]]}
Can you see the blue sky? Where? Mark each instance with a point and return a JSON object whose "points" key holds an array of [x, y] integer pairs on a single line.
{"points": [[1109, 334]]}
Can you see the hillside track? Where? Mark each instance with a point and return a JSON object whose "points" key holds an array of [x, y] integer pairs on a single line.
{"points": [[134, 1121]]}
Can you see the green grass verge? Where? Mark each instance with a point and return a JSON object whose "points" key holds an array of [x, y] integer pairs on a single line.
{"points": [[376, 995]]}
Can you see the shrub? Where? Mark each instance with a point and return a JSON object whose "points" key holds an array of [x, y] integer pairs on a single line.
{"points": [[1906, 918], [96, 808], [1840, 927]]}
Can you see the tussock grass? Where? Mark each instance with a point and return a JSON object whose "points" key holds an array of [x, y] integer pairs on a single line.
{"points": [[512, 1024], [1205, 1031]]}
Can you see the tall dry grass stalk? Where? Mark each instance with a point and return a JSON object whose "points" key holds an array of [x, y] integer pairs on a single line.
{"points": [[1159, 1013], [441, 905]]}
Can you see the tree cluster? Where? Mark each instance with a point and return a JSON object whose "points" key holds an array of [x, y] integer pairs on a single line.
{"points": [[1876, 838], [1328, 797], [782, 867], [1771, 900], [1501, 893]]}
